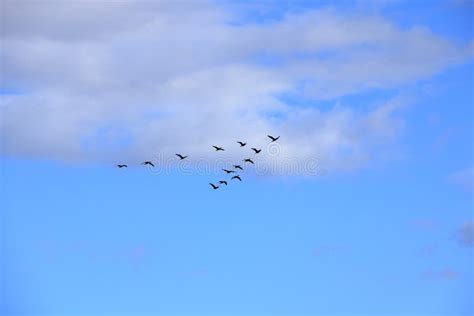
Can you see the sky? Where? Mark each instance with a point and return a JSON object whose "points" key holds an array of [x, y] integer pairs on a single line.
{"points": [[364, 206]]}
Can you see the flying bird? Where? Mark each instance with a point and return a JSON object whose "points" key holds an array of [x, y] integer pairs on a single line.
{"points": [[238, 167], [228, 171], [242, 144], [236, 177], [122, 166], [223, 182], [181, 156], [257, 151], [248, 160], [215, 187], [274, 139], [148, 163], [218, 148]]}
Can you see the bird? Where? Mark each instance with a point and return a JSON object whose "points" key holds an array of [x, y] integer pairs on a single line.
{"points": [[215, 187], [148, 163], [257, 151], [238, 167], [122, 166], [218, 148], [273, 138], [223, 182], [236, 177], [242, 144], [248, 160], [181, 156], [228, 171]]}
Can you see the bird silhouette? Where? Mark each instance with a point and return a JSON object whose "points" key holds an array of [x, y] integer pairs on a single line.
{"points": [[218, 148], [215, 187], [257, 151], [181, 156], [148, 163], [238, 167], [122, 166], [248, 160], [223, 182], [273, 138], [242, 144], [236, 177], [228, 171]]}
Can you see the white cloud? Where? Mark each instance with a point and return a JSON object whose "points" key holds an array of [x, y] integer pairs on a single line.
{"points": [[108, 79]]}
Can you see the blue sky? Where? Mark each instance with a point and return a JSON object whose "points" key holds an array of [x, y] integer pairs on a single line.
{"points": [[363, 207]]}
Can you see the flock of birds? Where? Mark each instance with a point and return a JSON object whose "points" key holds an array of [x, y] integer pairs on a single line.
{"points": [[227, 171]]}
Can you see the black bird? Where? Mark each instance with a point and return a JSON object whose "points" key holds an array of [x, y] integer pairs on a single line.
{"points": [[181, 156], [257, 151], [242, 144], [122, 166], [218, 148], [248, 160], [228, 171], [223, 182], [215, 187], [238, 167], [236, 177], [148, 163], [274, 139]]}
